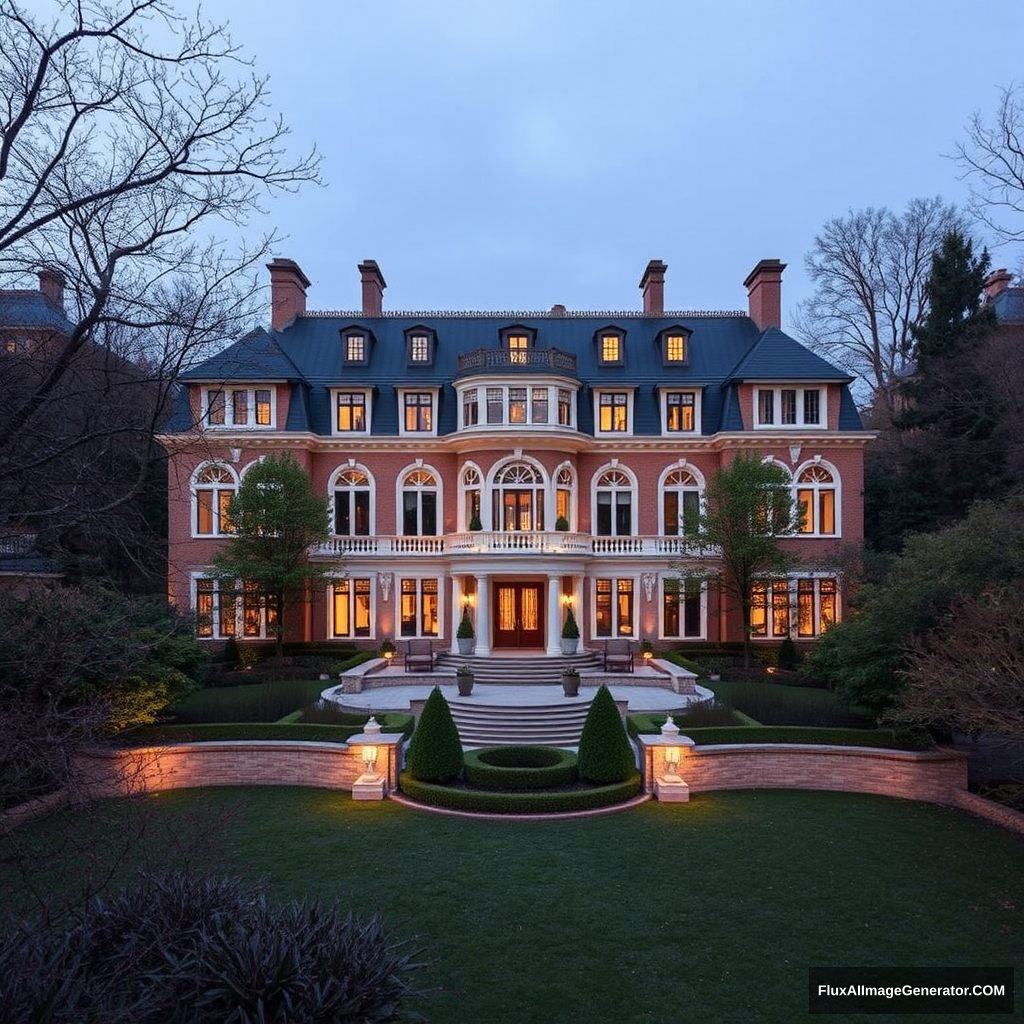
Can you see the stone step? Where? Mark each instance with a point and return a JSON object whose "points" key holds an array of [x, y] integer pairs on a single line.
{"points": [[552, 725], [519, 671]]}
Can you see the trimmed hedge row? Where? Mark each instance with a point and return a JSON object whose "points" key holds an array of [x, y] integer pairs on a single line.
{"points": [[897, 739], [227, 731], [520, 768], [543, 802]]}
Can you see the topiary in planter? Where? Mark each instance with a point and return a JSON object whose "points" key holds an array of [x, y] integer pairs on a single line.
{"points": [[605, 753], [435, 750]]}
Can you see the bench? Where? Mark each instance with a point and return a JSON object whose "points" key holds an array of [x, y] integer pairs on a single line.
{"points": [[419, 656], [618, 655]]}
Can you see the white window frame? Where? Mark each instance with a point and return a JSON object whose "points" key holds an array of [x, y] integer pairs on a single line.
{"points": [[351, 634], [367, 394], [403, 486], [835, 486], [698, 395], [615, 488], [629, 392], [229, 391], [634, 626], [702, 632], [239, 614], [698, 488], [419, 580], [216, 487], [403, 392], [800, 389], [333, 487], [792, 584]]}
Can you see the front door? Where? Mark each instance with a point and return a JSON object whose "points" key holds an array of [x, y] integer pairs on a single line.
{"points": [[518, 615]]}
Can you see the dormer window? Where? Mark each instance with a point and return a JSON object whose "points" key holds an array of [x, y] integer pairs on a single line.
{"points": [[610, 348], [675, 343], [355, 347], [518, 341], [238, 407], [789, 407], [419, 343]]}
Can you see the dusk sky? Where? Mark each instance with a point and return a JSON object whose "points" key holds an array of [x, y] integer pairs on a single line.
{"points": [[513, 154]]}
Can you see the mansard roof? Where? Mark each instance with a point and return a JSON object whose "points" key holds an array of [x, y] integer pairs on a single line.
{"points": [[29, 309], [778, 357], [255, 357]]}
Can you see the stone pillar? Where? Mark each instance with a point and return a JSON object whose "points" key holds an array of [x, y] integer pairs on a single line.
{"points": [[456, 614], [483, 616], [554, 629]]}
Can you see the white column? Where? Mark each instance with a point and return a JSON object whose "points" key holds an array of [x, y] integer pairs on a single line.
{"points": [[577, 607], [483, 617], [554, 615], [455, 614]]}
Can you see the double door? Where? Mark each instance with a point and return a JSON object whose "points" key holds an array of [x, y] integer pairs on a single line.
{"points": [[518, 615]]}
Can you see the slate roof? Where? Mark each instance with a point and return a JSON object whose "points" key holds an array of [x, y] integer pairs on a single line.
{"points": [[1009, 305], [31, 310], [723, 349]]}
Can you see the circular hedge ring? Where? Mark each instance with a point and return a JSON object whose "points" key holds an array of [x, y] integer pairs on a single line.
{"points": [[519, 768]]}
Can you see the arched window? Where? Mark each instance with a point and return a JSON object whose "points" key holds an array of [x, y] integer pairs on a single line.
{"points": [[614, 504], [565, 488], [816, 496], [213, 487], [352, 493], [419, 504], [518, 498], [680, 501], [472, 487]]}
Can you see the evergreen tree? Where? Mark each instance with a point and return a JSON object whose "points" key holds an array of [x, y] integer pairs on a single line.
{"points": [[276, 517], [605, 753], [435, 750]]}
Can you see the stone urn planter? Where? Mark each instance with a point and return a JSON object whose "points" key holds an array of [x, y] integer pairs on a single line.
{"points": [[464, 681], [570, 682]]}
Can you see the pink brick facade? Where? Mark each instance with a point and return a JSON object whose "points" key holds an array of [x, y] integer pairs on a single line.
{"points": [[517, 435]]}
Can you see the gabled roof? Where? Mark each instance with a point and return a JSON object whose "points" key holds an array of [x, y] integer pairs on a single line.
{"points": [[31, 310], [254, 357], [777, 356]]}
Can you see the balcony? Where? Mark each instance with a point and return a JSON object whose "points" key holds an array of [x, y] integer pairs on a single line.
{"points": [[526, 360], [480, 542]]}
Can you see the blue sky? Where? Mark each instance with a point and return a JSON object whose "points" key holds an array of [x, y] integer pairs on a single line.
{"points": [[513, 154]]}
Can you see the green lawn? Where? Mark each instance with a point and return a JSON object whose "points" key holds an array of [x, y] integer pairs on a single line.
{"points": [[706, 912]]}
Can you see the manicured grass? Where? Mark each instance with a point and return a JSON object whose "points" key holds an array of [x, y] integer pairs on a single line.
{"points": [[705, 912], [777, 704], [257, 702]]}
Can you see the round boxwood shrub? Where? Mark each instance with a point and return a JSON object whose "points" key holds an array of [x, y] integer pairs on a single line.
{"points": [[605, 753], [520, 768], [435, 750]]}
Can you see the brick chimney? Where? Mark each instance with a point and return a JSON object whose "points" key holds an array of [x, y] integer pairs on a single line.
{"points": [[51, 284], [373, 287], [288, 286], [996, 283], [764, 293], [652, 284]]}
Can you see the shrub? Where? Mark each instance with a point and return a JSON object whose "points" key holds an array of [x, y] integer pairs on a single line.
{"points": [[789, 656], [899, 740], [540, 802], [175, 948], [605, 753], [520, 768], [570, 630], [435, 751], [465, 630], [218, 732]]}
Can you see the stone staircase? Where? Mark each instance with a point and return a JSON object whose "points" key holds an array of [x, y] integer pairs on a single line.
{"points": [[557, 723]]}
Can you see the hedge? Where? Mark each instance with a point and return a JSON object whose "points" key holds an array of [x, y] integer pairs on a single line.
{"points": [[543, 802], [213, 732], [898, 739], [520, 768]]}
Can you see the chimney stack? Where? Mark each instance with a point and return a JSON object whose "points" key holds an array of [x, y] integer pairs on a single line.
{"points": [[373, 287], [51, 284], [996, 283], [653, 286], [764, 293], [288, 286]]}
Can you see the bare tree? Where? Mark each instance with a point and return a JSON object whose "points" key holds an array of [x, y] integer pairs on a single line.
{"points": [[993, 158], [129, 134], [870, 269]]}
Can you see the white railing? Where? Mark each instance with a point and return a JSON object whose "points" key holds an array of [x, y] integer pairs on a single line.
{"points": [[476, 542]]}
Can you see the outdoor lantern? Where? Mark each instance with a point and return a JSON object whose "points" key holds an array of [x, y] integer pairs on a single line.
{"points": [[672, 760], [369, 759]]}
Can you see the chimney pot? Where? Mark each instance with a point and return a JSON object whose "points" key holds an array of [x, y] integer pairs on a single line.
{"points": [[558, 309], [764, 293], [288, 286], [652, 284], [373, 287], [51, 284], [996, 283]]}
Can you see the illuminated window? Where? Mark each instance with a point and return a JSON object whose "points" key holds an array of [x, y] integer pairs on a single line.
{"points": [[470, 407], [517, 345], [610, 348], [789, 407], [225, 609], [421, 348], [419, 607], [769, 609], [355, 348], [213, 487], [679, 411], [613, 607], [238, 407], [471, 490], [351, 412], [517, 405], [816, 606], [816, 497], [351, 612], [518, 499], [419, 412], [565, 485], [675, 348], [564, 407], [613, 412]]}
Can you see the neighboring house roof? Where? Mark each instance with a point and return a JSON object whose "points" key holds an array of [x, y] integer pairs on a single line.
{"points": [[31, 310], [1009, 305], [722, 350]]}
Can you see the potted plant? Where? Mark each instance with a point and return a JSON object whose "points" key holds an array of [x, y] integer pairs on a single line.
{"points": [[464, 634], [646, 650], [570, 681], [387, 649], [570, 633], [561, 524], [475, 524], [464, 680]]}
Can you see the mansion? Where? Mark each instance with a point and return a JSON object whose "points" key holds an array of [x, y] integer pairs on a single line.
{"points": [[515, 464]]}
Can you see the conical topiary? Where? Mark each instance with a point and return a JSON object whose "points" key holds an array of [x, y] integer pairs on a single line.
{"points": [[605, 753], [435, 750]]}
